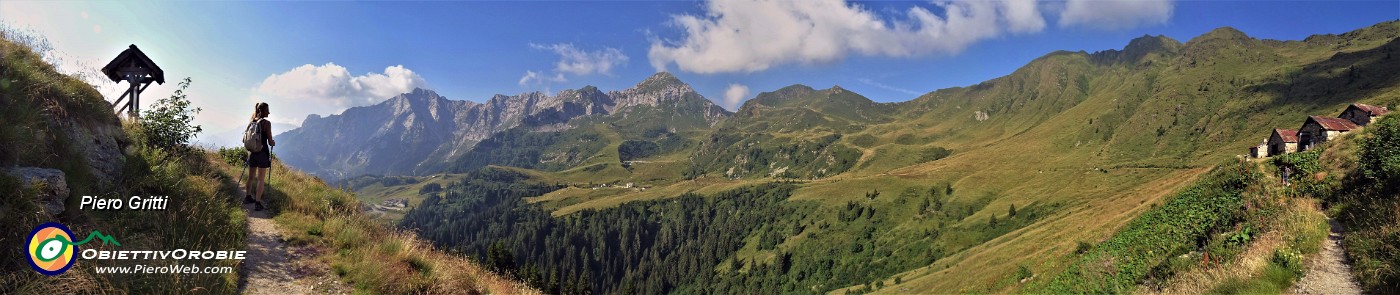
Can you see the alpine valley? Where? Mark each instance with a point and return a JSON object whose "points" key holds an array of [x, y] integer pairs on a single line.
{"points": [[1024, 183]]}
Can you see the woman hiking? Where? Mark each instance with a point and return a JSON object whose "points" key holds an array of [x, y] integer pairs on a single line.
{"points": [[259, 160]]}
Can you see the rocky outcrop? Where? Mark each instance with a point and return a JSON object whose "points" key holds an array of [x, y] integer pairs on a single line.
{"points": [[102, 148], [50, 184]]}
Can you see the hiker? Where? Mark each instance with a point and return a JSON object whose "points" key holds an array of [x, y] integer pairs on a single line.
{"points": [[1286, 170], [260, 156]]}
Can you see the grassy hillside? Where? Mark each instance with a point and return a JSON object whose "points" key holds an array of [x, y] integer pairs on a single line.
{"points": [[1082, 143], [363, 252], [1361, 184], [55, 121], [48, 112], [1241, 230]]}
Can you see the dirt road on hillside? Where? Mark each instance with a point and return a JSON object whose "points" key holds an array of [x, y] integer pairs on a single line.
{"points": [[1330, 273]]}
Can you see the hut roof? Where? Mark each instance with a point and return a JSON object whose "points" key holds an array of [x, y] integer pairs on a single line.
{"points": [[1370, 109], [1288, 135], [133, 56], [1332, 124]]}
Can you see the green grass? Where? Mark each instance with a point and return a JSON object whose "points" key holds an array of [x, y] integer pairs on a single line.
{"points": [[361, 249], [1118, 264], [1364, 201], [1274, 279], [40, 108]]}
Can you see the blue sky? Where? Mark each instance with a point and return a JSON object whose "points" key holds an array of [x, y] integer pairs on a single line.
{"points": [[322, 57]]}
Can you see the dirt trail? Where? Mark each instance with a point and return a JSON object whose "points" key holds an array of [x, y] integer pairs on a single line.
{"points": [[1329, 273], [271, 267]]}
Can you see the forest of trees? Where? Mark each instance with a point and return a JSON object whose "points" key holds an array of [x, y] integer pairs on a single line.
{"points": [[752, 155], [520, 147], [738, 241], [640, 247]]}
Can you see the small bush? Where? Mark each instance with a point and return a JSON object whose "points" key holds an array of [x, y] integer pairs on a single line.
{"points": [[934, 153], [1083, 247], [1023, 272], [169, 123], [235, 156], [1380, 155]]}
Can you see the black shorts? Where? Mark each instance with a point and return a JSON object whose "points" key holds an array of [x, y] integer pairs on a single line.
{"points": [[261, 159]]}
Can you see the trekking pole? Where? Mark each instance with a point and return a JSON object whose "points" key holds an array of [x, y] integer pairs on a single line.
{"points": [[246, 159], [269, 162]]}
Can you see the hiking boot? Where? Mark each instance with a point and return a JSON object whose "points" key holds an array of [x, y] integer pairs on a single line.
{"points": [[248, 199], [258, 207]]}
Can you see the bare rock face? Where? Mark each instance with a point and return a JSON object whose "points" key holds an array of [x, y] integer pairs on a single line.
{"points": [[51, 184], [102, 148]]}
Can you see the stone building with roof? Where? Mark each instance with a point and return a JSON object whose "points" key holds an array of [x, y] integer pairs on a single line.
{"points": [[1363, 114], [1282, 141], [1318, 129]]}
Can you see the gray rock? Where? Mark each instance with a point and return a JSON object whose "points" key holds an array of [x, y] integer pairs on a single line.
{"points": [[52, 185], [102, 147]]}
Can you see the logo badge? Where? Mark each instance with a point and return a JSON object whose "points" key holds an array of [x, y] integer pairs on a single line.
{"points": [[51, 248]]}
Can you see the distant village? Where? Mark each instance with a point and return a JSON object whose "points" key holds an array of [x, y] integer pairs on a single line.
{"points": [[1316, 130]]}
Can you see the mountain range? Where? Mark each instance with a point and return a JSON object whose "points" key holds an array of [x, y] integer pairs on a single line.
{"points": [[415, 132], [1079, 143]]}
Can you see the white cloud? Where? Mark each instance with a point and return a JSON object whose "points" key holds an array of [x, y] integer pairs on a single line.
{"points": [[749, 36], [1116, 14], [329, 89], [735, 94], [579, 62], [1023, 16], [574, 61], [754, 35], [536, 78]]}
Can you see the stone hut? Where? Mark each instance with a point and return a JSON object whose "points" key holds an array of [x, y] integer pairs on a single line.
{"points": [[1260, 151], [1283, 141], [1318, 129], [1363, 114]]}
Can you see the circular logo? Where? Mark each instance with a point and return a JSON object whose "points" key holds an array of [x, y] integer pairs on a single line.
{"points": [[51, 248]]}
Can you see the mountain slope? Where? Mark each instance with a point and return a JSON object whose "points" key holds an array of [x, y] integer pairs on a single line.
{"points": [[1067, 149]]}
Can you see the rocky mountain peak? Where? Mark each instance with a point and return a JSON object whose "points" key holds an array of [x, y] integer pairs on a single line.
{"points": [[660, 78], [1219, 37], [1148, 43], [1139, 48]]}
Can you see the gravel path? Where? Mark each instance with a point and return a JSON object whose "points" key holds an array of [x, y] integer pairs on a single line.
{"points": [[1329, 274], [271, 267], [267, 267]]}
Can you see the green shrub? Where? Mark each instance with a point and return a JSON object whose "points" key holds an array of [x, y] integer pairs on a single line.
{"points": [[1303, 163], [1380, 155], [934, 153], [169, 123], [1083, 247], [235, 156]]}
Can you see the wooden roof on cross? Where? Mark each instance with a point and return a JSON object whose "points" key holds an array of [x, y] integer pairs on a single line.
{"points": [[132, 58]]}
